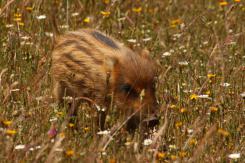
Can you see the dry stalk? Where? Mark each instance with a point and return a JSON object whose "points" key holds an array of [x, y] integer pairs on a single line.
{"points": [[41, 152], [6, 6], [200, 148], [51, 156], [9, 91], [196, 128], [1, 74], [160, 134], [57, 144], [108, 138]]}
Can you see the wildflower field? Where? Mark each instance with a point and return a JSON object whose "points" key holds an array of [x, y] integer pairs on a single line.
{"points": [[199, 47]]}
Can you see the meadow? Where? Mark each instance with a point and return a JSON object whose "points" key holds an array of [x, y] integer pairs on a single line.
{"points": [[199, 47]]}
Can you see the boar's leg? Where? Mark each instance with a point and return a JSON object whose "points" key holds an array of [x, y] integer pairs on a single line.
{"points": [[60, 91], [102, 113], [133, 124], [73, 108], [101, 119]]}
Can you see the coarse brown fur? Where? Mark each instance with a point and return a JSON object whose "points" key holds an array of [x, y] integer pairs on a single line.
{"points": [[88, 63]]}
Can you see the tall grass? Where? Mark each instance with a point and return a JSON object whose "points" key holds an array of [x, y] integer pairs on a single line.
{"points": [[200, 50]]}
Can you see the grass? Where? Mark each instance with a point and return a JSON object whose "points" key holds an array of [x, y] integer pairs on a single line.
{"points": [[198, 45]]}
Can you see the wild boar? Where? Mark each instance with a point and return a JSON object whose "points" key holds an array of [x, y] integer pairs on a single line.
{"points": [[88, 63]]}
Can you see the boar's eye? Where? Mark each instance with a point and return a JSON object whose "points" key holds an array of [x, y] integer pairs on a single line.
{"points": [[128, 89]]}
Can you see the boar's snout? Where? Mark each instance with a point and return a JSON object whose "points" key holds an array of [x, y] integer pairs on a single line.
{"points": [[146, 117], [151, 121]]}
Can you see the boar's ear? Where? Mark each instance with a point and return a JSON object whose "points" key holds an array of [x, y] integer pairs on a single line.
{"points": [[145, 53], [110, 63]]}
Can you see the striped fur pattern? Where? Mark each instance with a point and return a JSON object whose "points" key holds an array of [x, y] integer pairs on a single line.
{"points": [[88, 63]]}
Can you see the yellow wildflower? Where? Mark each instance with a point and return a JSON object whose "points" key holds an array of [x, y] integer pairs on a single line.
{"points": [[213, 109], [20, 23], [7, 123], [71, 125], [17, 19], [237, 0], [193, 142], [172, 106], [231, 92], [62, 135], [69, 153], [86, 129], [223, 3], [161, 155], [210, 76], [106, 1], [208, 93], [178, 124], [60, 113], [29, 8], [193, 97], [11, 132], [86, 20], [183, 110], [112, 160], [173, 157], [223, 132], [173, 25], [17, 15], [183, 154], [137, 9], [175, 22], [105, 13]]}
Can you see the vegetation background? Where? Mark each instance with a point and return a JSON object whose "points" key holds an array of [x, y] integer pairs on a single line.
{"points": [[199, 46]]}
